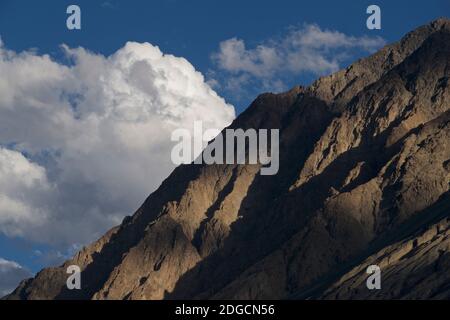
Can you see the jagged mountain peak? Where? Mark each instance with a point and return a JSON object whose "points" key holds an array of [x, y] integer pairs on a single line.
{"points": [[364, 168]]}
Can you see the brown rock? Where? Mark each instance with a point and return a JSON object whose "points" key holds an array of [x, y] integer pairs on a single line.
{"points": [[364, 177]]}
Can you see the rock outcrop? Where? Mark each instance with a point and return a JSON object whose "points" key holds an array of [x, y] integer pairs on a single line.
{"points": [[364, 179]]}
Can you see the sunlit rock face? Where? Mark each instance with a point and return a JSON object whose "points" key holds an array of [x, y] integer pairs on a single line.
{"points": [[364, 179]]}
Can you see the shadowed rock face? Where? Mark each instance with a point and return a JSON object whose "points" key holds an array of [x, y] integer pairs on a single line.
{"points": [[364, 179]]}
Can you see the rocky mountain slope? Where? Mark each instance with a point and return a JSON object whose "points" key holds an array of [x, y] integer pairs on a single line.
{"points": [[364, 179]]}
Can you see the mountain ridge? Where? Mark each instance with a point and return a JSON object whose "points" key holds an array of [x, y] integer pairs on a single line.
{"points": [[359, 158]]}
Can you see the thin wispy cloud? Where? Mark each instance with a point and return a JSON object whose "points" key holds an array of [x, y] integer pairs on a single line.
{"points": [[308, 49], [10, 274], [109, 5]]}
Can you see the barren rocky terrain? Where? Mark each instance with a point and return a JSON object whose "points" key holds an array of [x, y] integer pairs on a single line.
{"points": [[364, 179]]}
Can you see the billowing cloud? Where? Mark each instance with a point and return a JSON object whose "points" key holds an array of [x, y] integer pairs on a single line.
{"points": [[84, 142], [23, 190], [11, 273], [308, 49]]}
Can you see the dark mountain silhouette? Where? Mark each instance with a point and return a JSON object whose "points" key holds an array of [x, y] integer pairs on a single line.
{"points": [[364, 179]]}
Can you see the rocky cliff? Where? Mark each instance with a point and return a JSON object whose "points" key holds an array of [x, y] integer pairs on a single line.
{"points": [[364, 179]]}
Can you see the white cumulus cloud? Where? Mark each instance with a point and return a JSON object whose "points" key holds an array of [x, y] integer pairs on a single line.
{"points": [[84, 142], [23, 190]]}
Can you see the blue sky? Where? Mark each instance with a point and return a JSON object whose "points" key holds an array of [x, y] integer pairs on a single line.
{"points": [[201, 32], [194, 29]]}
